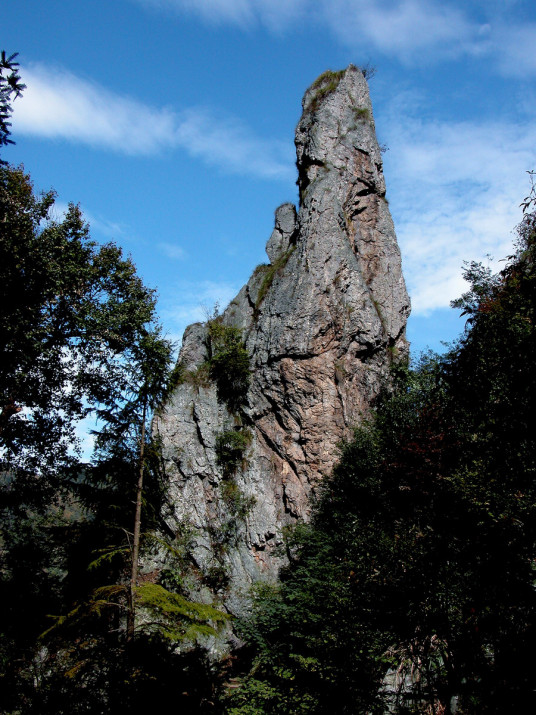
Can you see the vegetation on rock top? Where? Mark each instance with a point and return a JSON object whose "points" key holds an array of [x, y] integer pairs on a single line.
{"points": [[322, 87]]}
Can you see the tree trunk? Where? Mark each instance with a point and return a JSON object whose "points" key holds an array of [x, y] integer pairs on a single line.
{"points": [[137, 528]]}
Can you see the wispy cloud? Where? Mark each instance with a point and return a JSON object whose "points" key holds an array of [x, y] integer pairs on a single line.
{"points": [[411, 31], [59, 105], [404, 29], [415, 31], [109, 230], [276, 14], [456, 190], [226, 142]]}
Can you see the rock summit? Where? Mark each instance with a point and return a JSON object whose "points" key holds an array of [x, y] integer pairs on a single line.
{"points": [[321, 323]]}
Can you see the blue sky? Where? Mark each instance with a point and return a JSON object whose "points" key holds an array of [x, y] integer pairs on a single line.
{"points": [[172, 122]]}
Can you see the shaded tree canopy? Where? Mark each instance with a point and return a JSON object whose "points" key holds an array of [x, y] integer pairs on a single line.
{"points": [[72, 315]]}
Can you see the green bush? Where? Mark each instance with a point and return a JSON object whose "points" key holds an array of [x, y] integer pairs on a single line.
{"points": [[228, 363], [230, 448]]}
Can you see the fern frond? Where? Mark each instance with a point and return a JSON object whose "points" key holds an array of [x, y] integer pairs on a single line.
{"points": [[178, 618], [107, 555]]}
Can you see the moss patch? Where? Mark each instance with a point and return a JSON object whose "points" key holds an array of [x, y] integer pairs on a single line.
{"points": [[276, 268], [362, 114], [238, 504]]}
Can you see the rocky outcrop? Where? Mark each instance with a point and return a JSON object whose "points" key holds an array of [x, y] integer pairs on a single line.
{"points": [[321, 323]]}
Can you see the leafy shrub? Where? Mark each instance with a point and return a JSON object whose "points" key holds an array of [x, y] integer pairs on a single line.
{"points": [[228, 363], [230, 448]]}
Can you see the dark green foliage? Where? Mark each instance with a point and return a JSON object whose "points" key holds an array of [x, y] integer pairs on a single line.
{"points": [[94, 677], [313, 645], [72, 315], [79, 334], [31, 583], [80, 662], [228, 363], [230, 448], [420, 556], [11, 87]]}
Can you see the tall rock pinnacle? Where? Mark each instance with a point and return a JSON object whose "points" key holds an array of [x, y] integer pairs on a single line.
{"points": [[321, 324]]}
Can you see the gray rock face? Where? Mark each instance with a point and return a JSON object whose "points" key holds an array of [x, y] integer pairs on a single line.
{"points": [[285, 232], [321, 324]]}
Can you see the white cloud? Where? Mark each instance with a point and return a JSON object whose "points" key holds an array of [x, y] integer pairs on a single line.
{"points": [[405, 29], [225, 141], [456, 190], [59, 105], [412, 31]]}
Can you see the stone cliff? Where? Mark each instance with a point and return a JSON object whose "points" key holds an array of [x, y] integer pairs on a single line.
{"points": [[321, 323]]}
